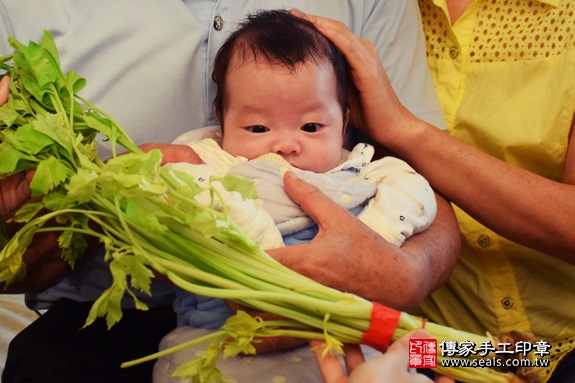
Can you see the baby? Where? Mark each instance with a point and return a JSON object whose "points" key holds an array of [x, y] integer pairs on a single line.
{"points": [[281, 101]]}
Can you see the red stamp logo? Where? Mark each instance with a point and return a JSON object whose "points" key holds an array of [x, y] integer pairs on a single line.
{"points": [[422, 353]]}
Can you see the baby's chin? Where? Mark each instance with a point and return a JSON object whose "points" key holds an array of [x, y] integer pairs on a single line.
{"points": [[313, 168], [297, 163]]}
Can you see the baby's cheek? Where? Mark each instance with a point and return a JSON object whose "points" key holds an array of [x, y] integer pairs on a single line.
{"points": [[244, 149]]}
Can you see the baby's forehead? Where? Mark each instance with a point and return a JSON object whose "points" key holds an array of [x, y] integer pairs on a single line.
{"points": [[260, 61]]}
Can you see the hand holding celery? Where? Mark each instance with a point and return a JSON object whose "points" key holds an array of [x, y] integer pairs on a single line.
{"points": [[149, 220]]}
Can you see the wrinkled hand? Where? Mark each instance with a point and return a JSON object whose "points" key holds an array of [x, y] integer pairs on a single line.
{"points": [[345, 254], [389, 367], [172, 153], [14, 192], [14, 189], [382, 114]]}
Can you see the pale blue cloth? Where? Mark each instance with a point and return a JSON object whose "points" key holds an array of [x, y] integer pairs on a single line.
{"points": [[200, 312]]}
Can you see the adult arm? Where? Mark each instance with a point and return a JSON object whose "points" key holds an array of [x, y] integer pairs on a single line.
{"points": [[517, 204], [349, 256]]}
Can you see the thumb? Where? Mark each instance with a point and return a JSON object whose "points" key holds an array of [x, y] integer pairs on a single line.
{"points": [[398, 351], [313, 202]]}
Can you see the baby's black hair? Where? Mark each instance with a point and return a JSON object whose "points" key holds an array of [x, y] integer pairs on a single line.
{"points": [[281, 39]]}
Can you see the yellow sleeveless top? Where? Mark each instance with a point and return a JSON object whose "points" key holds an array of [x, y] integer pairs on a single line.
{"points": [[505, 77]]}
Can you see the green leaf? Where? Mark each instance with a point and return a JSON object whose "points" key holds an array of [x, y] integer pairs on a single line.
{"points": [[58, 200], [54, 126], [145, 165], [140, 275], [108, 305], [27, 212], [14, 160], [190, 187], [243, 328], [28, 140], [103, 126], [76, 82], [133, 175], [73, 245], [9, 114], [41, 94], [88, 150], [242, 185], [37, 60], [12, 269], [49, 174], [82, 186], [203, 369], [144, 219], [50, 46]]}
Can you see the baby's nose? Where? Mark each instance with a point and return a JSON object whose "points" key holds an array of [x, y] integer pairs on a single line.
{"points": [[286, 146]]}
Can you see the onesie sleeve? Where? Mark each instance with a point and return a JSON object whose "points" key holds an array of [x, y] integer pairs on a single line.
{"points": [[248, 214], [404, 203]]}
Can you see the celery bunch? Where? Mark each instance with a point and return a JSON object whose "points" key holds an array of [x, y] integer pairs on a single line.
{"points": [[147, 220]]}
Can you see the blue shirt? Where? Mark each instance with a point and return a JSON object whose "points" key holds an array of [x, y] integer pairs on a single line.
{"points": [[149, 63]]}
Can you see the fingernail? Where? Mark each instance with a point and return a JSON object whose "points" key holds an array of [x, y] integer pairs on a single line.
{"points": [[290, 174]]}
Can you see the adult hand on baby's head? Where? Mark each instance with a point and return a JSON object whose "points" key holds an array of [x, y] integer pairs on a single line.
{"points": [[375, 106]]}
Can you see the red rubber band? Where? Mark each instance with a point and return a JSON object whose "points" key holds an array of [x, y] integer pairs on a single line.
{"points": [[381, 327]]}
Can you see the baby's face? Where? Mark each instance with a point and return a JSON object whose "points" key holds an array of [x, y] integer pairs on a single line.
{"points": [[272, 110]]}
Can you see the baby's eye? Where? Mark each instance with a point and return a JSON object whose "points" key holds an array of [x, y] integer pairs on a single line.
{"points": [[258, 129], [310, 128]]}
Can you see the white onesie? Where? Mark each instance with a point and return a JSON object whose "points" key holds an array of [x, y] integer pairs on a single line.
{"points": [[393, 199]]}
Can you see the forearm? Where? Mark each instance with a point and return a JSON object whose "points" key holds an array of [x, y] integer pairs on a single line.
{"points": [[519, 205], [423, 263], [398, 277], [347, 255]]}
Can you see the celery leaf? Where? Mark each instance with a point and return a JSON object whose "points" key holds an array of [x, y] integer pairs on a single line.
{"points": [[82, 186], [50, 173], [242, 185], [73, 246], [13, 160], [12, 269]]}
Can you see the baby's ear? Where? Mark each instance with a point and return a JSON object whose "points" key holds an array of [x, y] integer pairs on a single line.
{"points": [[217, 114], [346, 119]]}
